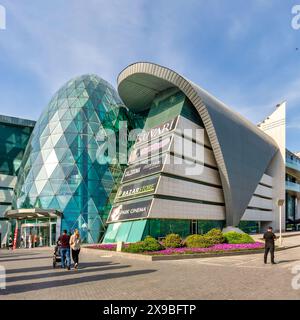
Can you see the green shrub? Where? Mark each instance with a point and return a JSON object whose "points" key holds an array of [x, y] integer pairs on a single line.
{"points": [[198, 241], [135, 247], [173, 241], [233, 237], [215, 236], [149, 244]]}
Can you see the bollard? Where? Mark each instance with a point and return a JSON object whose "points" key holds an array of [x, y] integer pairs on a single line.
{"points": [[120, 246]]}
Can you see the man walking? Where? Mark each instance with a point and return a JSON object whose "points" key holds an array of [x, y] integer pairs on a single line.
{"points": [[270, 238], [65, 249]]}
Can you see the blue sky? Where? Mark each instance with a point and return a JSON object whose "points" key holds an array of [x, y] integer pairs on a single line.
{"points": [[243, 52]]}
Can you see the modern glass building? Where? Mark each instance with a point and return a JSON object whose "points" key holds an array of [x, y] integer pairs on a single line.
{"points": [[66, 168], [195, 165], [14, 136]]}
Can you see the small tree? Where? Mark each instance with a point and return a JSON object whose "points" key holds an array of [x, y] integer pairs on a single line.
{"points": [[198, 241], [173, 241], [215, 235]]}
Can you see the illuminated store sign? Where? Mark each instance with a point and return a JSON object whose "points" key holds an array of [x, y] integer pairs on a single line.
{"points": [[137, 189], [130, 211]]}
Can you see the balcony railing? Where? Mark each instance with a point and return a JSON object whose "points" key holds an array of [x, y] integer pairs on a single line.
{"points": [[293, 164], [292, 186]]}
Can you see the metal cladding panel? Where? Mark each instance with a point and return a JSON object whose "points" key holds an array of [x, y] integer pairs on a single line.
{"points": [[242, 151], [261, 203], [246, 153], [258, 215], [264, 191], [208, 175], [176, 187], [267, 180], [165, 209]]}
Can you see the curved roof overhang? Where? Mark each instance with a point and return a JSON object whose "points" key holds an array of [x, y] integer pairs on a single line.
{"points": [[32, 213], [242, 151]]}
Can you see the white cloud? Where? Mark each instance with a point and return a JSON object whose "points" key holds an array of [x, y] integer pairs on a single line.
{"points": [[91, 38], [101, 37]]}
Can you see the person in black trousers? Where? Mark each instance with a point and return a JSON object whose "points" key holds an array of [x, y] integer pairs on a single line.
{"points": [[75, 241], [269, 238]]}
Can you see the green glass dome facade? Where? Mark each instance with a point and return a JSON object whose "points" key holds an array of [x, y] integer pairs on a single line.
{"points": [[63, 167]]}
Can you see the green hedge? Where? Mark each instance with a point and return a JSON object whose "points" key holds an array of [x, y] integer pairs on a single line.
{"points": [[236, 238], [173, 241], [149, 244], [214, 236]]}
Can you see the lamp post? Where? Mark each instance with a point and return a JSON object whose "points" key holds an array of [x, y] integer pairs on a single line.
{"points": [[280, 204]]}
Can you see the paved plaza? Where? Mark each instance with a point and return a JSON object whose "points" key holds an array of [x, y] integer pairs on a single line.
{"points": [[29, 275]]}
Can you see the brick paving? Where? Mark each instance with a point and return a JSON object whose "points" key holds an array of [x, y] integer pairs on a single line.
{"points": [[29, 275]]}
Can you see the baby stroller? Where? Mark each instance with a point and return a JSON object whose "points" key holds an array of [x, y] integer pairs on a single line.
{"points": [[56, 254]]}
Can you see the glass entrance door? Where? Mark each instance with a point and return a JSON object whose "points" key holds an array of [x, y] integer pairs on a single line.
{"points": [[36, 235], [43, 236], [194, 227], [52, 233]]}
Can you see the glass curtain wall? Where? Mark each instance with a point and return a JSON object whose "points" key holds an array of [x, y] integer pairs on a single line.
{"points": [[66, 166]]}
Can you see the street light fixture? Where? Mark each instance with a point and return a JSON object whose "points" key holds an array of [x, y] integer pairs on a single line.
{"points": [[280, 203]]}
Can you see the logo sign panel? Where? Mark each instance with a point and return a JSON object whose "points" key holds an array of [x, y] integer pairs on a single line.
{"points": [[142, 170], [137, 189], [148, 151], [130, 211], [157, 131]]}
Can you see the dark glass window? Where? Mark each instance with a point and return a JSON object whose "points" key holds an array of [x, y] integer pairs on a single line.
{"points": [[13, 141]]}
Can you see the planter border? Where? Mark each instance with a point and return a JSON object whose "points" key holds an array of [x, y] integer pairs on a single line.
{"points": [[144, 257]]}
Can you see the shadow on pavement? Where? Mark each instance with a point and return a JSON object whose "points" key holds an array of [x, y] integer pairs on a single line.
{"points": [[286, 261], [67, 282], [15, 255], [24, 259], [44, 268], [60, 273]]}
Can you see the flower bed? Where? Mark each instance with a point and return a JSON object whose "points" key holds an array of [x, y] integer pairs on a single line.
{"points": [[225, 247], [108, 246], [217, 248]]}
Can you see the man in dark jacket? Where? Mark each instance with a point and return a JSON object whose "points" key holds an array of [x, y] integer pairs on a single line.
{"points": [[270, 238], [65, 249]]}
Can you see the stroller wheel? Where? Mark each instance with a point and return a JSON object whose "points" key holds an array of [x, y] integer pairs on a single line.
{"points": [[54, 262]]}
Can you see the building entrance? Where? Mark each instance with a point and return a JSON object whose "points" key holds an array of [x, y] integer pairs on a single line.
{"points": [[38, 235], [35, 227]]}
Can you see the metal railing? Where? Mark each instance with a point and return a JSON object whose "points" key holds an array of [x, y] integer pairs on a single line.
{"points": [[292, 186]]}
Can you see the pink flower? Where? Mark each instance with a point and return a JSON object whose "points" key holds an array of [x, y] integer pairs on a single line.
{"points": [[170, 251], [215, 248]]}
